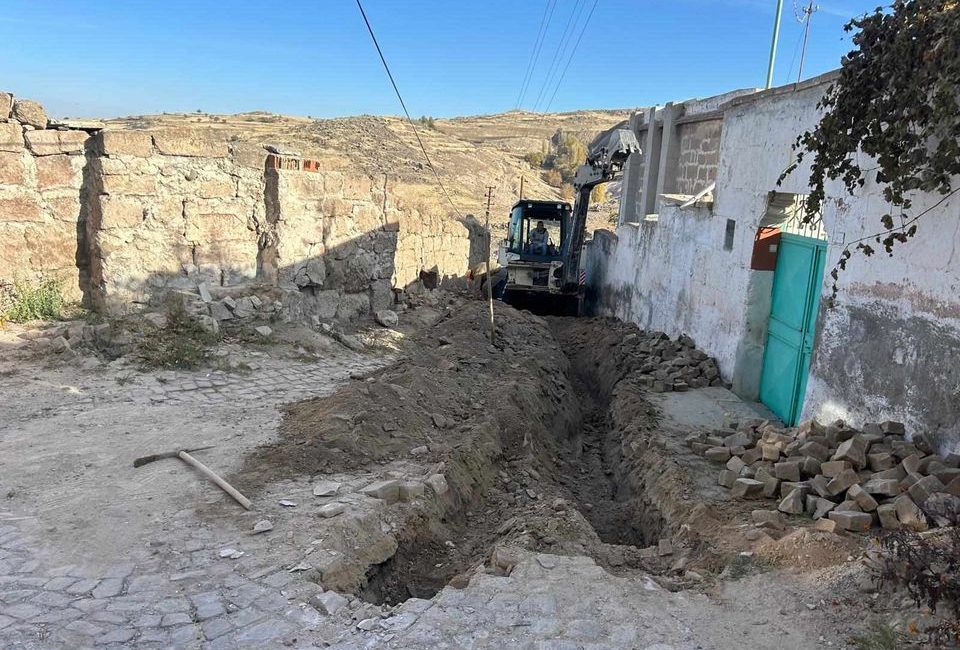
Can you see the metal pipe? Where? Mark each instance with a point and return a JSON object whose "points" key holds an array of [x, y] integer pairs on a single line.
{"points": [[773, 44]]}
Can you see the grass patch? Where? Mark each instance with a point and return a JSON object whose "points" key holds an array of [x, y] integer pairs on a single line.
{"points": [[27, 301], [184, 344], [882, 637]]}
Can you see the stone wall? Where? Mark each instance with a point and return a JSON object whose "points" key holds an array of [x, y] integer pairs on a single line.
{"points": [[41, 174], [124, 217], [169, 210]]}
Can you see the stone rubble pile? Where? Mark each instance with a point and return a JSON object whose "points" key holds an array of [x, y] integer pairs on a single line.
{"points": [[844, 478], [672, 365]]}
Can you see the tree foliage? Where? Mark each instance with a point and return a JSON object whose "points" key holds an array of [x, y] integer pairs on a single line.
{"points": [[896, 101]]}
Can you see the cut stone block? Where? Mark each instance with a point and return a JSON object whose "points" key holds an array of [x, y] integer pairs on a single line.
{"points": [[866, 502], [727, 478], [747, 488], [890, 427], [793, 503], [735, 465], [768, 519], [770, 451], [815, 450], [822, 507], [854, 521], [911, 464], [888, 516], [825, 525], [924, 488], [832, 468], [848, 506], [881, 461], [738, 440], [809, 466], [752, 455], [887, 487], [787, 471], [909, 514], [840, 483], [717, 454], [853, 450]]}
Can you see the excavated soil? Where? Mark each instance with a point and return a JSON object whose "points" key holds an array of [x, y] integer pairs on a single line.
{"points": [[545, 438]]}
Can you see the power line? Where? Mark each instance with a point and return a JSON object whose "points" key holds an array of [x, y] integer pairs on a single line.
{"points": [[572, 54], [561, 44], [526, 74], [536, 56], [405, 111]]}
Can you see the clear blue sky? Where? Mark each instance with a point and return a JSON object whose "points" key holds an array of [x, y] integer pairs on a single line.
{"points": [[85, 58]]}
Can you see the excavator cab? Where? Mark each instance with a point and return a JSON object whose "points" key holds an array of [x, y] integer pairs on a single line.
{"points": [[532, 253]]}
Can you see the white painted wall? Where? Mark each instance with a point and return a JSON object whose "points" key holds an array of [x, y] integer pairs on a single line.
{"points": [[889, 349]]}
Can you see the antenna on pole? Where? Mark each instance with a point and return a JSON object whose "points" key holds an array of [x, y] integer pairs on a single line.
{"points": [[773, 43], [807, 14]]}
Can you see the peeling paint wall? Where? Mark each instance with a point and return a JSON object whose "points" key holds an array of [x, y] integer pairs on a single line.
{"points": [[889, 349]]}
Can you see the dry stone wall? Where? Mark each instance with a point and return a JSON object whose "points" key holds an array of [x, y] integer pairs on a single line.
{"points": [[170, 210], [41, 175], [125, 217]]}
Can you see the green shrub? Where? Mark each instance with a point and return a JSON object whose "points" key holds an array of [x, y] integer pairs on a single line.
{"points": [[42, 301], [534, 159]]}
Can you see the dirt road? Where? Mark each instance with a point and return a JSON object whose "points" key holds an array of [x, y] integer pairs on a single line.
{"points": [[529, 493]]}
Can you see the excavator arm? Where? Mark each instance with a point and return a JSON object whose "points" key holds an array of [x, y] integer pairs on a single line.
{"points": [[608, 154]]}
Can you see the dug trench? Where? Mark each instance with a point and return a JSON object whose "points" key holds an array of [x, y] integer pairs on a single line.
{"points": [[543, 440]]}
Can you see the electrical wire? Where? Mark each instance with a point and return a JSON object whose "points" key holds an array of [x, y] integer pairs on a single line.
{"points": [[577, 10], [535, 58], [572, 54], [405, 111]]}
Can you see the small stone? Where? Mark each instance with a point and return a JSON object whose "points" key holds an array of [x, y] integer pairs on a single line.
{"points": [[388, 491], [438, 483], [815, 450], [410, 490], [262, 526], [368, 624], [204, 292], [892, 428], [740, 439], [231, 553], [664, 547], [156, 319], [263, 331], [326, 489], [331, 510], [387, 318], [328, 602], [287, 503]]}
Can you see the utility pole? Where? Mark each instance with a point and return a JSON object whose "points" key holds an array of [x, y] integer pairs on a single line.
{"points": [[773, 44], [521, 187], [808, 12], [489, 269]]}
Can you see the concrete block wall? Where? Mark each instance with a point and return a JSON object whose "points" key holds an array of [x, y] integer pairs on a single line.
{"points": [[41, 174], [699, 155]]}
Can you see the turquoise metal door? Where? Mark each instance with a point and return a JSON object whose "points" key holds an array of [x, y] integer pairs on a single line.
{"points": [[797, 283]]}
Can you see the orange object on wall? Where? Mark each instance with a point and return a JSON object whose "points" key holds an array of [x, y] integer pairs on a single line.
{"points": [[765, 247]]}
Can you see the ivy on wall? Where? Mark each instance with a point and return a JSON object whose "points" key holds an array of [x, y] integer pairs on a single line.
{"points": [[896, 102]]}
